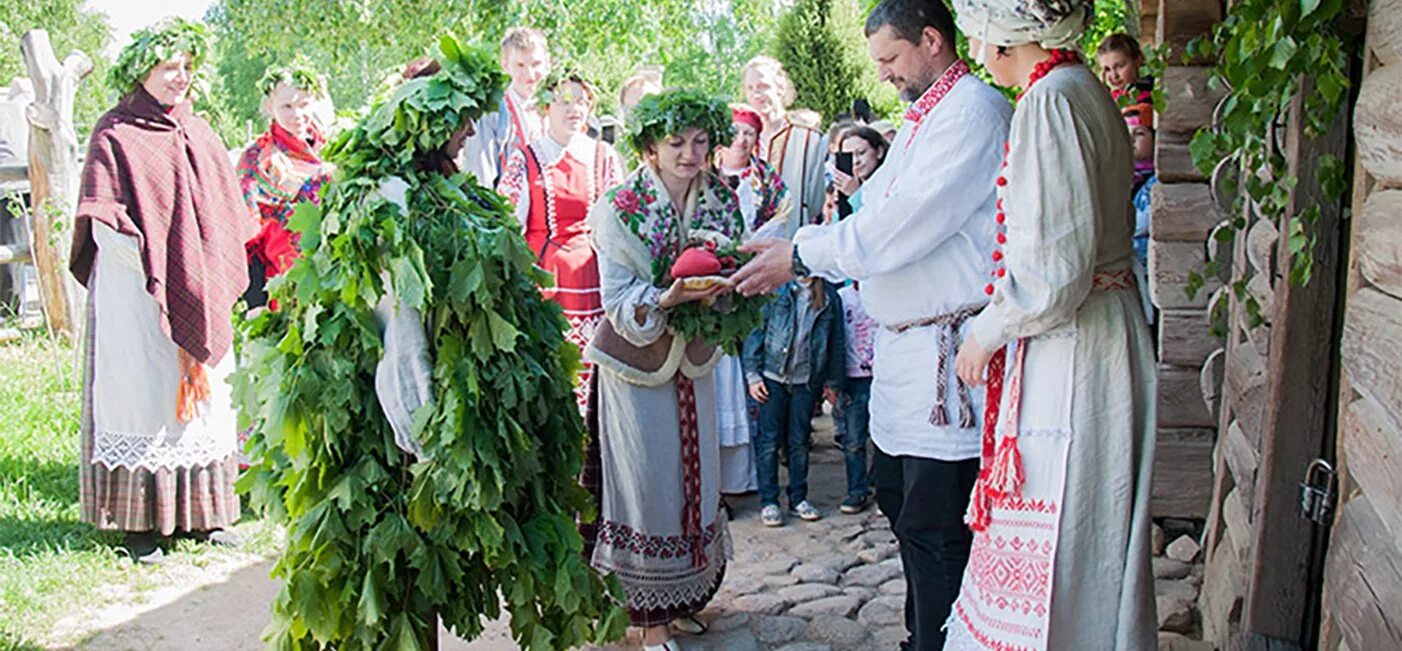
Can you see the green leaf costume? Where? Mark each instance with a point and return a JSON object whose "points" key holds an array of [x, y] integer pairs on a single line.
{"points": [[380, 541]]}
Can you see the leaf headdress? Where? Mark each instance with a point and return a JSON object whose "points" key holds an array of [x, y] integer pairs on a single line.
{"points": [[160, 42], [418, 116], [674, 111]]}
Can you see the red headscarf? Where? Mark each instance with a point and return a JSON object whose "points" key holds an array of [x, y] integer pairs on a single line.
{"points": [[746, 115]]}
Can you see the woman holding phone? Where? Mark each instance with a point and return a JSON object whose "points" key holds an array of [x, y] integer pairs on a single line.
{"points": [[860, 151]]}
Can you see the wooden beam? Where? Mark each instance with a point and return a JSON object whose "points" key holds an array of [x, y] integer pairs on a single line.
{"points": [[1182, 212], [1378, 238], [1301, 400], [1180, 21], [1180, 403], [1182, 473], [1189, 101], [1385, 31], [1374, 450], [1363, 577], [1169, 266], [54, 175], [1378, 125], [1185, 338], [1173, 163], [1372, 350]]}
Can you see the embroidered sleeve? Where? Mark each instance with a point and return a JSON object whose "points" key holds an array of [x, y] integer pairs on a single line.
{"points": [[514, 186]]}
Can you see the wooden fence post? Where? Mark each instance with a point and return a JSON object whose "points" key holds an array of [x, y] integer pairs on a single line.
{"points": [[54, 175]]}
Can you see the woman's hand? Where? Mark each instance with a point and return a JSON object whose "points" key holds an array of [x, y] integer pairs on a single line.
{"points": [[678, 293], [972, 362], [845, 183], [759, 392]]}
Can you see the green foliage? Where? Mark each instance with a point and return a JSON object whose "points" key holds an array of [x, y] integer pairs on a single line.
{"points": [[70, 28], [671, 112], [379, 542], [1268, 53], [700, 43], [823, 48], [1111, 17], [161, 42]]}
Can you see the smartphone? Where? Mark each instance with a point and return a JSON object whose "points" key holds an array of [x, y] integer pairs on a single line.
{"points": [[844, 162]]}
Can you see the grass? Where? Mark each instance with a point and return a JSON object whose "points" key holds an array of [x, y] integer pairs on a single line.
{"points": [[51, 564]]}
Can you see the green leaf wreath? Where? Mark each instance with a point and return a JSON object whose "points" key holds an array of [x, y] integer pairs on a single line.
{"points": [[379, 543], [153, 45]]}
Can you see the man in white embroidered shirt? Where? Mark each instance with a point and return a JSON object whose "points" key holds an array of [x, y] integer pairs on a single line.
{"points": [[920, 245]]}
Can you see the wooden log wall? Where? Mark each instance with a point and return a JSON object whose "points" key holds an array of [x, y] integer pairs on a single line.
{"points": [[1362, 600], [1182, 216]]}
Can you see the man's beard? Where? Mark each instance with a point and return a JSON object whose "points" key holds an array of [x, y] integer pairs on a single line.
{"points": [[918, 85]]}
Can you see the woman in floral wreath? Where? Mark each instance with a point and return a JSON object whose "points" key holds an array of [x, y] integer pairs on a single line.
{"points": [[553, 182], [652, 413], [283, 168], [1066, 472], [764, 201]]}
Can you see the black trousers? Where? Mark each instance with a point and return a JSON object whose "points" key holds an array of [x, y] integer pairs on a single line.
{"points": [[933, 538]]}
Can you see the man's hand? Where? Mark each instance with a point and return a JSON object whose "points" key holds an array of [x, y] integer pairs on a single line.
{"points": [[972, 362], [759, 392], [772, 266]]}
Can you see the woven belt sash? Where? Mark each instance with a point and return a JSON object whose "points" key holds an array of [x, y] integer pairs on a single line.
{"points": [[948, 329]]}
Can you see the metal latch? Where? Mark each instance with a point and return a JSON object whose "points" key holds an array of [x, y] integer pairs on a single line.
{"points": [[1317, 492]]}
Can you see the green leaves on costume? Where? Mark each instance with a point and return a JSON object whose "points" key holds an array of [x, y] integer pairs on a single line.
{"points": [[673, 111], [162, 42], [410, 119], [378, 543]]}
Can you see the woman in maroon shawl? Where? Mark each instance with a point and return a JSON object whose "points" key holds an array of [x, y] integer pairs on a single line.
{"points": [[282, 169], [159, 241]]}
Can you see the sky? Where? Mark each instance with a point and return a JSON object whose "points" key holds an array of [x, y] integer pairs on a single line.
{"points": [[127, 16]]}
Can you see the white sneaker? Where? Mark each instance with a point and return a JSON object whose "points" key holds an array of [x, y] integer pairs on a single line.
{"points": [[806, 511], [771, 516], [669, 645]]}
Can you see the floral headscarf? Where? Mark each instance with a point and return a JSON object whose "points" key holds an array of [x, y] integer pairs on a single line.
{"points": [[1053, 24]]}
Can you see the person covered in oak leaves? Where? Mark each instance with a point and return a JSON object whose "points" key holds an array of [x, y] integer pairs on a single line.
{"points": [[158, 241], [552, 183], [652, 413], [1061, 511], [919, 247], [283, 168], [525, 56]]}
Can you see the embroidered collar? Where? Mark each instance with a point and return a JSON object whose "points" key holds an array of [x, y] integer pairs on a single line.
{"points": [[932, 96]]}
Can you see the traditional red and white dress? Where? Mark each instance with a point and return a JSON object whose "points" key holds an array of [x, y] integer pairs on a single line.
{"points": [[553, 187], [1061, 553], [513, 126]]}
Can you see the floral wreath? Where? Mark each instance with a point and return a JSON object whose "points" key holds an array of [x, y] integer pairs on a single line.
{"points": [[674, 111], [160, 42], [299, 74]]}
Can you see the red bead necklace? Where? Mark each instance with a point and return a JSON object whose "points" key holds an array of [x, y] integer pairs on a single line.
{"points": [[1057, 58]]}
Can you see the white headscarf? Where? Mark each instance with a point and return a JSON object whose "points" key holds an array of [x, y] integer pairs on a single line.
{"points": [[1053, 24]]}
